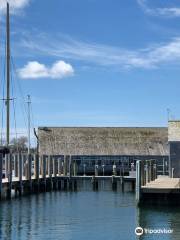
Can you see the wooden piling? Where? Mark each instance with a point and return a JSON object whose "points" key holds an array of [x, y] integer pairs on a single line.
{"points": [[138, 181], [9, 176], [114, 170], [36, 166], [49, 164], [114, 184], [16, 165], [122, 183], [6, 166], [74, 168], [70, 165], [59, 166], [65, 166], [96, 170], [54, 166], [20, 170], [30, 171], [44, 171]]}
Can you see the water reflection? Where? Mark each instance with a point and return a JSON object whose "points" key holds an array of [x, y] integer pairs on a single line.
{"points": [[84, 214], [160, 217]]}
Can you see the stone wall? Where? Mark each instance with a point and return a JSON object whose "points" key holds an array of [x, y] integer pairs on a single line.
{"points": [[103, 141]]}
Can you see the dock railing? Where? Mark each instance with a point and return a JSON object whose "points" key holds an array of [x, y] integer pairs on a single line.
{"points": [[146, 171]]}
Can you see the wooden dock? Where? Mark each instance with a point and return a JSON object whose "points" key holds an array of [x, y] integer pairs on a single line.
{"points": [[27, 174], [151, 188]]}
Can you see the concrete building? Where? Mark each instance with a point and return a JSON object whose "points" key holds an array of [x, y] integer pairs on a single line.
{"points": [[105, 145], [174, 146]]}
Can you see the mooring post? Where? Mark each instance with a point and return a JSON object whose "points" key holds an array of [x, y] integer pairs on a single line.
{"points": [[44, 171], [16, 165], [36, 167], [1, 173], [122, 183], [30, 171], [59, 166], [36, 173], [138, 181], [6, 166], [49, 164], [70, 166], [20, 170], [55, 185], [49, 180], [96, 170], [54, 167], [65, 166], [114, 170], [155, 172], [114, 183], [25, 164], [9, 175], [74, 168]]}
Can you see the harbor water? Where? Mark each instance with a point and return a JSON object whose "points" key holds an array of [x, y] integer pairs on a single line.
{"points": [[84, 214]]}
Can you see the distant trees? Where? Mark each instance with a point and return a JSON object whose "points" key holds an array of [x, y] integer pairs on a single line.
{"points": [[19, 144]]}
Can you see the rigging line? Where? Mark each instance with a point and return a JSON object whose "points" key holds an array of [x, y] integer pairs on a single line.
{"points": [[14, 111], [15, 125], [19, 85], [24, 110], [32, 122]]}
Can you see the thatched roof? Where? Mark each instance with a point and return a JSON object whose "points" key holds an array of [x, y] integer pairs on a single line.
{"points": [[103, 141]]}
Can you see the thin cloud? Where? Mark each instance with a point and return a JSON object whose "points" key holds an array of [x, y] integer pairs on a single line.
{"points": [[15, 5], [165, 12], [34, 70], [103, 55]]}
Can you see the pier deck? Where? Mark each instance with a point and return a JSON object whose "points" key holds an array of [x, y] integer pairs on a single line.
{"points": [[154, 189], [163, 184]]}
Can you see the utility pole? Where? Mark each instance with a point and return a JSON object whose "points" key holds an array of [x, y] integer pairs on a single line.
{"points": [[29, 123], [7, 77]]}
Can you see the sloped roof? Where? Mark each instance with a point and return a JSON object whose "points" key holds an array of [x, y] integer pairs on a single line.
{"points": [[103, 140]]}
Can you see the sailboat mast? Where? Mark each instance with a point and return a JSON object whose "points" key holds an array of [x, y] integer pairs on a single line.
{"points": [[7, 77]]}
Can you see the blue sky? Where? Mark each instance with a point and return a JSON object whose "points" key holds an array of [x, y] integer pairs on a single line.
{"points": [[96, 62]]}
